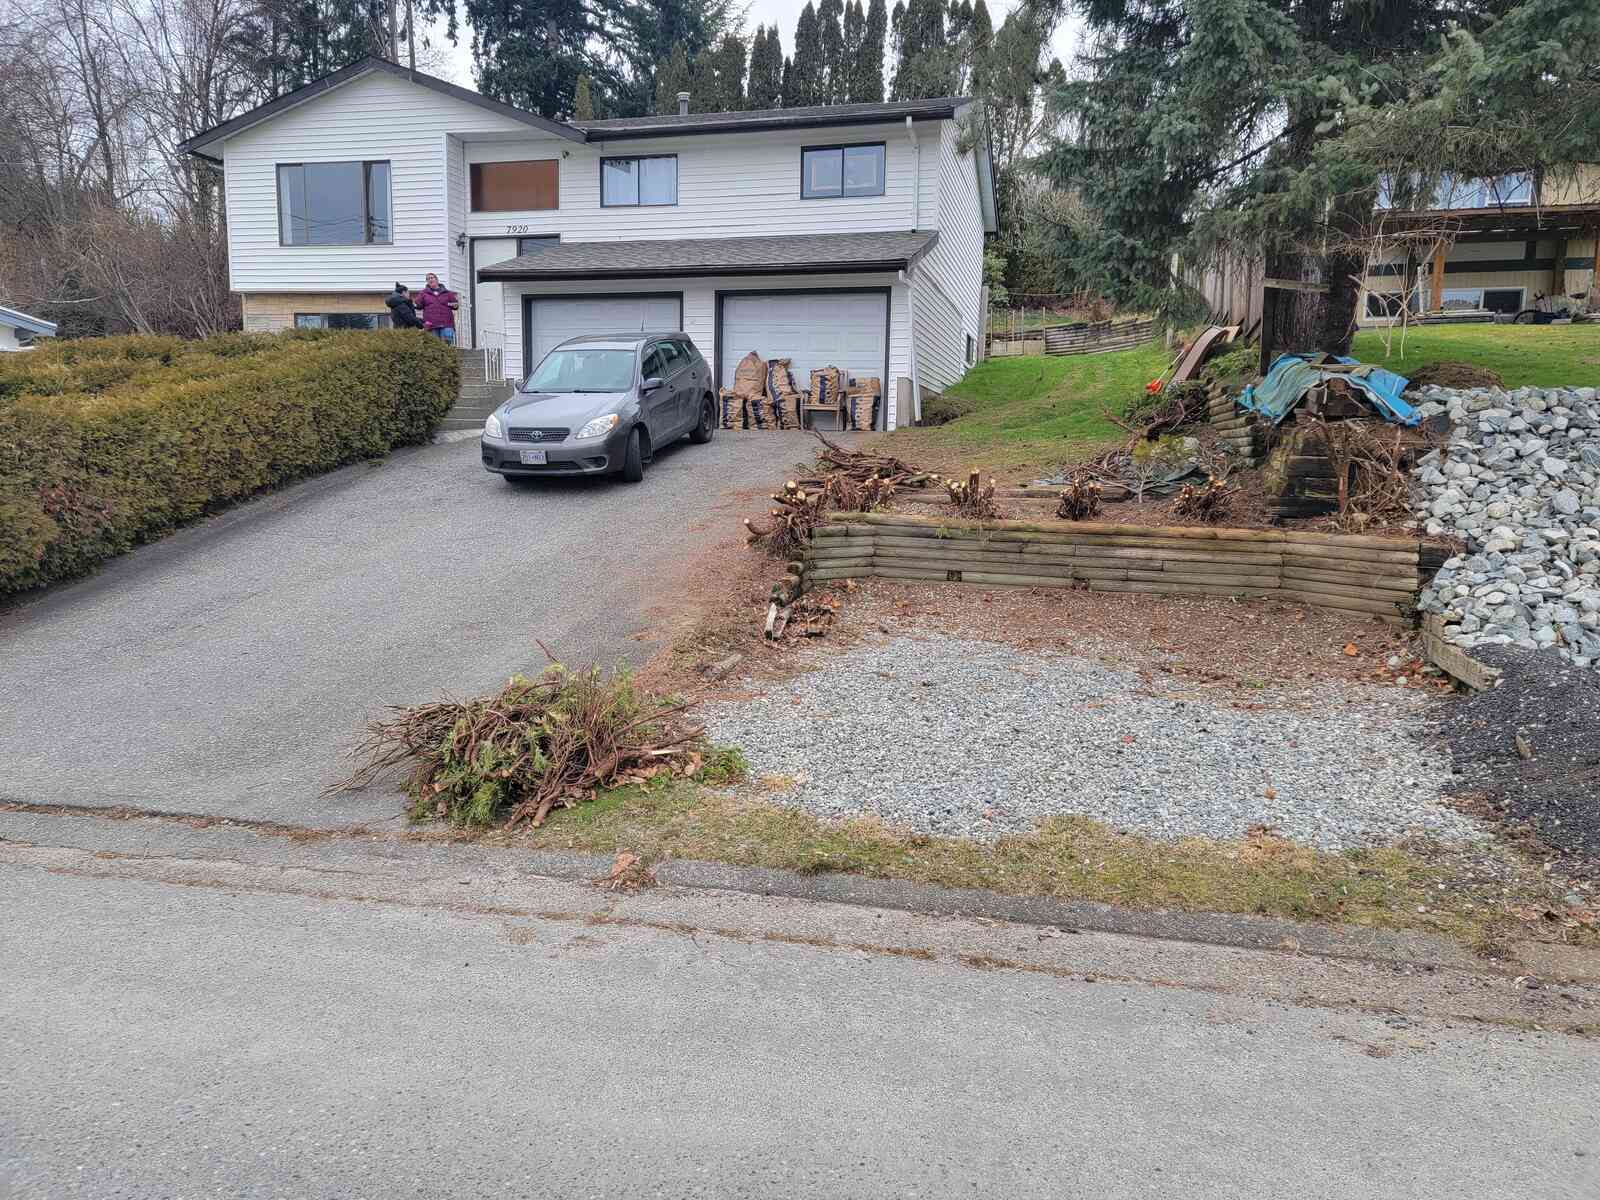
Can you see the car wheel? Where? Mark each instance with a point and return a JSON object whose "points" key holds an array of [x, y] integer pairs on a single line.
{"points": [[633, 458], [707, 426]]}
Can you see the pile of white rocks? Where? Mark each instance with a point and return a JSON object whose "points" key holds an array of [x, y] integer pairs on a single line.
{"points": [[1520, 481]]}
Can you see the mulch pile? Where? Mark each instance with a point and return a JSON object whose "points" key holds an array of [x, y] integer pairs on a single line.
{"points": [[1555, 793]]}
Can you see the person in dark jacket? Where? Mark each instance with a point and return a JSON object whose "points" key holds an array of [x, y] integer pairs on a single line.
{"points": [[402, 309]]}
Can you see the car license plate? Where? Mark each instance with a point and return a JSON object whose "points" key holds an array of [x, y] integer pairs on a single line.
{"points": [[533, 458]]}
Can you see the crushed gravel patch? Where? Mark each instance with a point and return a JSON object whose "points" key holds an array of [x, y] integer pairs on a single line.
{"points": [[956, 737], [1555, 705]]}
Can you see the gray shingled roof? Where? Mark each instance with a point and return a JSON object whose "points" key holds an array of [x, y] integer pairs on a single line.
{"points": [[811, 254], [771, 118]]}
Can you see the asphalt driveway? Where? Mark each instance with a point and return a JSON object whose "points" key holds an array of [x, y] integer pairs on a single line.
{"points": [[225, 669]]}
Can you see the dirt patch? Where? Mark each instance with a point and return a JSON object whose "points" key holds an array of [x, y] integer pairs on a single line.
{"points": [[1455, 375]]}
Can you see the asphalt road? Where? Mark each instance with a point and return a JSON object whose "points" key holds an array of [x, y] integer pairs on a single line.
{"points": [[241, 1027], [224, 669]]}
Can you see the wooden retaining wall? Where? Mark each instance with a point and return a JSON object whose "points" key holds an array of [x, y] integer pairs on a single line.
{"points": [[1354, 574]]}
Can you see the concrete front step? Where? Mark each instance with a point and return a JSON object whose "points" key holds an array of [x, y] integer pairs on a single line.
{"points": [[484, 391], [453, 422]]}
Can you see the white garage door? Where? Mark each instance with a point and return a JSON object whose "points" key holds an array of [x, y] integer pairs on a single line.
{"points": [[833, 329], [552, 322]]}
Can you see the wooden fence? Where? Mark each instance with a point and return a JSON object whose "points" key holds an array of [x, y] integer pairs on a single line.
{"points": [[1350, 573], [1079, 338]]}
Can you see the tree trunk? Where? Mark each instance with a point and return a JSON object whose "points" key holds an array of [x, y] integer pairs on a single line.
{"points": [[1342, 271]]}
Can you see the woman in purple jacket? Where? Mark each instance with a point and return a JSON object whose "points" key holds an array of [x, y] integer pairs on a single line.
{"points": [[438, 307]]}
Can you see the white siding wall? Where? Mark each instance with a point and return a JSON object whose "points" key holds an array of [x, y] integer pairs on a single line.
{"points": [[8, 338], [377, 116], [729, 185], [950, 276], [456, 222], [700, 310]]}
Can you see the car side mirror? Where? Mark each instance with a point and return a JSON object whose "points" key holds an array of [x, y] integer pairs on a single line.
{"points": [[650, 385]]}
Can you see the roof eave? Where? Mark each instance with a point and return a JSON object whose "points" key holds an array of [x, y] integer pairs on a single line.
{"points": [[768, 126], [199, 143], [884, 266]]}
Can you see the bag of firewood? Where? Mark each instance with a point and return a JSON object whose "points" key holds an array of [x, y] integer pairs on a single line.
{"points": [[735, 409], [861, 403], [783, 398], [827, 387]]}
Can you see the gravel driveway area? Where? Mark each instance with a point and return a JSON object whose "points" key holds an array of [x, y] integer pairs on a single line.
{"points": [[969, 738]]}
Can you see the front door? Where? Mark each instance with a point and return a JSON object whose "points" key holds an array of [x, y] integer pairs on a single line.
{"points": [[488, 299]]}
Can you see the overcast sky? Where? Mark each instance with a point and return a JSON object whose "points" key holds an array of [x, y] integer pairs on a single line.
{"points": [[783, 13]]}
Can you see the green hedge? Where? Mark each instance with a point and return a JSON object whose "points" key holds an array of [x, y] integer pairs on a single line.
{"points": [[109, 442]]}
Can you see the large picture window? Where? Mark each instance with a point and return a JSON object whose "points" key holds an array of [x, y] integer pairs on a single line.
{"points": [[341, 320], [841, 171], [333, 204], [630, 182], [529, 186]]}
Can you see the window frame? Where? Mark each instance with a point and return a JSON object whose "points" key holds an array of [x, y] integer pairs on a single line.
{"points": [[638, 158], [366, 199], [841, 194], [550, 239], [478, 166], [381, 320], [1522, 298]]}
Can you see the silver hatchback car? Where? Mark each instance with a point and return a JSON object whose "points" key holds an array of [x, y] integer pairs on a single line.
{"points": [[602, 405]]}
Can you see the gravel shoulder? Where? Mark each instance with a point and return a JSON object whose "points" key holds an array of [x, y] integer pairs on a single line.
{"points": [[961, 737]]}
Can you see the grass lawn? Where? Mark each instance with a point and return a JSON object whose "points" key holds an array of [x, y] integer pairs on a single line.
{"points": [[1069, 858], [1523, 355], [1032, 413]]}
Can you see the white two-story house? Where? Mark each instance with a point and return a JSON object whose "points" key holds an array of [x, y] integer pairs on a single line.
{"points": [[846, 235]]}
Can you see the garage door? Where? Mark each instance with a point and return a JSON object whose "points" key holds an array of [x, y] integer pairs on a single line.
{"points": [[551, 322], [831, 329]]}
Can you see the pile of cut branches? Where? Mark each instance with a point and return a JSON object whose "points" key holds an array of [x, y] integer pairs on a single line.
{"points": [[972, 497], [537, 745], [799, 512], [1211, 501], [857, 495], [1164, 412], [860, 465], [1371, 460], [1080, 499]]}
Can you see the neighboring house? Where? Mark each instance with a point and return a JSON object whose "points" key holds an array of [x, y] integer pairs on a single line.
{"points": [[848, 235], [1517, 238], [19, 331]]}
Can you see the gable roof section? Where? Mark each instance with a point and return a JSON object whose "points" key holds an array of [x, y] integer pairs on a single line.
{"points": [[807, 254], [807, 117], [21, 320], [202, 144]]}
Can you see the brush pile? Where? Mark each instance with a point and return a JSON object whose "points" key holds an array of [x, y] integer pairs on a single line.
{"points": [[851, 495], [799, 511], [972, 498], [860, 465], [1080, 500], [1210, 502], [538, 745]]}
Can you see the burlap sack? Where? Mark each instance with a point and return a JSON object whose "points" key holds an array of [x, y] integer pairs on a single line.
{"points": [[861, 403]]}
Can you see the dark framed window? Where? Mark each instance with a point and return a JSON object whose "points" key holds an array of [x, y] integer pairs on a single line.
{"points": [[341, 320], [827, 171], [333, 203], [1503, 300], [527, 186], [639, 182], [527, 245]]}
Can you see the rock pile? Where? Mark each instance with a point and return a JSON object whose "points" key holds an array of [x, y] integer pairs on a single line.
{"points": [[1520, 482]]}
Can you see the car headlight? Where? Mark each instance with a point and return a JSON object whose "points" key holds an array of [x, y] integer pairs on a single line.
{"points": [[600, 426], [492, 428]]}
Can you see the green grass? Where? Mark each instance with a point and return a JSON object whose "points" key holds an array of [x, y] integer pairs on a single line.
{"points": [[1522, 355], [1032, 412]]}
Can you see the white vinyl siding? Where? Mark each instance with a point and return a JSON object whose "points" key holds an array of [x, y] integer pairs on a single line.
{"points": [[700, 308], [374, 117], [729, 185], [949, 292]]}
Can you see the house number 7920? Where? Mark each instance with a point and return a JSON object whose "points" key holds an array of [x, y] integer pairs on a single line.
{"points": [[516, 229]]}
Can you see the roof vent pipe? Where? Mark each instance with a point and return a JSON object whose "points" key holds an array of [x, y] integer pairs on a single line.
{"points": [[683, 104]]}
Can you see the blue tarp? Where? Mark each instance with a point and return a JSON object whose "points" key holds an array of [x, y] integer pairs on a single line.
{"points": [[1293, 375]]}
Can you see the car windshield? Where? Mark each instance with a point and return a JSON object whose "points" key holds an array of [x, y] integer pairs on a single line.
{"points": [[583, 370]]}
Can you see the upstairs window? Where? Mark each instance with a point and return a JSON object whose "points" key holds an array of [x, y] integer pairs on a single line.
{"points": [[841, 171], [530, 186], [639, 182], [333, 204]]}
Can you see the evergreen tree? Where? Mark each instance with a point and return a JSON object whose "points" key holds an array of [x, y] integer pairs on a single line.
{"points": [[642, 34], [786, 91], [766, 70], [530, 52], [716, 80], [855, 33], [874, 44], [834, 84], [925, 66], [582, 101], [809, 75], [978, 44], [672, 77]]}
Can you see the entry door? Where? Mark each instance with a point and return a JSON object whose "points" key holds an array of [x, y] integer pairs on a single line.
{"points": [[488, 298]]}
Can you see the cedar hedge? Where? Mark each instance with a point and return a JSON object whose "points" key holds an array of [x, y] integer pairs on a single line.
{"points": [[109, 442]]}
